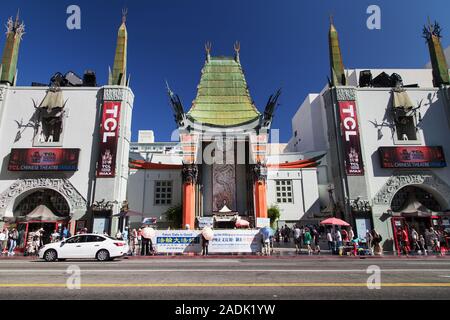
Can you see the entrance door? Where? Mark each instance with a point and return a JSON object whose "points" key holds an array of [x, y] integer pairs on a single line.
{"points": [[101, 225]]}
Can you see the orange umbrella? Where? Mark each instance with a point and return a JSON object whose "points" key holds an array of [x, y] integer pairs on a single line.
{"points": [[335, 222]]}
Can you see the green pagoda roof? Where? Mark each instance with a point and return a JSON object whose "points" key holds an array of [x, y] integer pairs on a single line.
{"points": [[223, 98]]}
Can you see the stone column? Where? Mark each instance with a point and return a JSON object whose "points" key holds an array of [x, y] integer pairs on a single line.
{"points": [[260, 190], [190, 173]]}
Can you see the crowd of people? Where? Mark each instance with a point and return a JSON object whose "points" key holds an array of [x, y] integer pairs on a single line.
{"points": [[8, 240], [410, 241], [340, 240]]}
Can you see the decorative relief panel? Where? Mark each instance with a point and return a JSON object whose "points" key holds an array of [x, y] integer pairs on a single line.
{"points": [[63, 186], [113, 94], [2, 93], [405, 178], [346, 94]]}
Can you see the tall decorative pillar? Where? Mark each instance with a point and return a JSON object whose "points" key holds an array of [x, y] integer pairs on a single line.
{"points": [[260, 190], [190, 173]]}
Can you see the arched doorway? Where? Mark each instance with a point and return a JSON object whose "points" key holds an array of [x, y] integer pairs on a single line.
{"points": [[44, 209], [415, 207]]}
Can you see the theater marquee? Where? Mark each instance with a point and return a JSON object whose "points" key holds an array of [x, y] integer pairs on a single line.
{"points": [[412, 157], [44, 159]]}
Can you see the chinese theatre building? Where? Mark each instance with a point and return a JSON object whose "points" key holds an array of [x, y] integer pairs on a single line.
{"points": [[385, 133], [224, 171], [63, 147]]}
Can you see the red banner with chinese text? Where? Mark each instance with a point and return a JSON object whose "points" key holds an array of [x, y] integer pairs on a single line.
{"points": [[350, 137], [109, 133]]}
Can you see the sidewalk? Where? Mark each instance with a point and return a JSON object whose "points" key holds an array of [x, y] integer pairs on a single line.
{"points": [[278, 253]]}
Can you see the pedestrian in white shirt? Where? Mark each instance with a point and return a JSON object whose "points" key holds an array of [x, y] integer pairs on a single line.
{"points": [[3, 240], [338, 237], [330, 240]]}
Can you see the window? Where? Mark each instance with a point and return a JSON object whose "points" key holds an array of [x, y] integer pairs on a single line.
{"points": [[77, 239], [405, 128], [95, 239], [284, 191], [163, 192]]}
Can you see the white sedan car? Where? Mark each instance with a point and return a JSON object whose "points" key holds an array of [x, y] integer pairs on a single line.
{"points": [[84, 246]]}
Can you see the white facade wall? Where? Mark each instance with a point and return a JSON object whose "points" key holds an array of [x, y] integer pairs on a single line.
{"points": [[373, 107], [81, 125], [434, 129], [141, 192], [78, 132], [305, 193]]}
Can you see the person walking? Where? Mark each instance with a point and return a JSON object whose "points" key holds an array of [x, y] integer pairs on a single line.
{"points": [[316, 239], [435, 243], [330, 241], [369, 239], [338, 236], [344, 235], [133, 241], [405, 241], [414, 240], [422, 243], [351, 234], [205, 244], [308, 239], [13, 236], [376, 243], [297, 236], [2, 241]]}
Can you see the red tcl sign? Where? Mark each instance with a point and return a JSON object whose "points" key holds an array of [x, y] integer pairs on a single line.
{"points": [[109, 131], [350, 134]]}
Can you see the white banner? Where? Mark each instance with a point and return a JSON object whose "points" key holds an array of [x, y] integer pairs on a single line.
{"points": [[224, 241]]}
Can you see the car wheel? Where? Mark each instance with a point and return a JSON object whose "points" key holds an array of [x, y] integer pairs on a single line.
{"points": [[103, 255], [50, 255]]}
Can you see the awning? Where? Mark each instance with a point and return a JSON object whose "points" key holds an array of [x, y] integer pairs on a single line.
{"points": [[401, 100], [43, 213], [129, 213], [414, 208]]}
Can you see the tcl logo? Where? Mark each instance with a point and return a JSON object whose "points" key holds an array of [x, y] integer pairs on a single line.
{"points": [[349, 121], [110, 122]]}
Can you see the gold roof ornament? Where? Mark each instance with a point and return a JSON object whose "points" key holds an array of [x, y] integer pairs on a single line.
{"points": [[14, 33], [119, 73]]}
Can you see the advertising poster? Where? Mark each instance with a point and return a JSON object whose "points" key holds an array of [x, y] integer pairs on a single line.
{"points": [[109, 133], [351, 141]]}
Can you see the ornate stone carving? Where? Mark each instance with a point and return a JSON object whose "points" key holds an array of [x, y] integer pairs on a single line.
{"points": [[189, 173], [260, 172], [118, 94], [402, 179], [113, 94], [345, 94], [359, 205], [102, 205], [2, 93], [63, 186]]}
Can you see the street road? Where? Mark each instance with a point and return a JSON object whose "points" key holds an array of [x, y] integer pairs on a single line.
{"points": [[218, 278]]}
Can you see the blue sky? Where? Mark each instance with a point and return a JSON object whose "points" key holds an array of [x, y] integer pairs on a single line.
{"points": [[283, 44]]}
